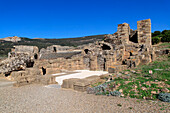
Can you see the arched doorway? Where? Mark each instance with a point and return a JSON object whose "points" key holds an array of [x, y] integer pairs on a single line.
{"points": [[35, 56], [106, 47], [43, 70]]}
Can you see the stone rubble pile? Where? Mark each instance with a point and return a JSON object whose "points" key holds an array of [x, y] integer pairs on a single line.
{"points": [[16, 63]]}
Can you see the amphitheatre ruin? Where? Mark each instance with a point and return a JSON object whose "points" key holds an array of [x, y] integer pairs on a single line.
{"points": [[77, 69], [124, 49]]}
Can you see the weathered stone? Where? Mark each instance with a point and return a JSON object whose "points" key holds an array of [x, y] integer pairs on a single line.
{"points": [[81, 85], [124, 49], [69, 83], [165, 90], [93, 79]]}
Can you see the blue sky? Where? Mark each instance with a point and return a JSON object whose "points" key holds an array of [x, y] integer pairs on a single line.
{"points": [[75, 18]]}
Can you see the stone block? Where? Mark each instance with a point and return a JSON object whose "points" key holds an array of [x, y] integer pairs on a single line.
{"points": [[92, 79], [47, 79], [112, 69], [15, 74], [104, 76], [69, 83], [81, 85], [33, 71], [51, 70]]}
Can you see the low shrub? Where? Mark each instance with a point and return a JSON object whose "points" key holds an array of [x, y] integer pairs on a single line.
{"points": [[115, 93], [164, 97], [156, 40]]}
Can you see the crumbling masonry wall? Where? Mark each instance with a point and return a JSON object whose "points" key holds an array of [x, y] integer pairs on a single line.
{"points": [[124, 49], [144, 32], [123, 31]]}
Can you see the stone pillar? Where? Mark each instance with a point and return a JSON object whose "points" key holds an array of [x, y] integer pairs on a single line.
{"points": [[144, 32], [93, 63], [123, 31]]}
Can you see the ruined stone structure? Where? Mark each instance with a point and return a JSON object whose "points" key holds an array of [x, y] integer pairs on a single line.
{"points": [[124, 49], [144, 32]]}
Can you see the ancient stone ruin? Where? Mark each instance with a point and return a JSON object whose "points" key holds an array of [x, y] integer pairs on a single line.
{"points": [[124, 49]]}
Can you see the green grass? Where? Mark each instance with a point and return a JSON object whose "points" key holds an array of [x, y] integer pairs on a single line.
{"points": [[157, 74], [165, 44], [139, 80]]}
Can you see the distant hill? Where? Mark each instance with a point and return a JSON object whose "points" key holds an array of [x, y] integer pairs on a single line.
{"points": [[5, 46], [12, 39]]}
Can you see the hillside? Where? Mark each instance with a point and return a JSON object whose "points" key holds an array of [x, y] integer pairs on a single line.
{"points": [[5, 46]]}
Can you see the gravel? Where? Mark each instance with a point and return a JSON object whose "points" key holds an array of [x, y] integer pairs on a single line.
{"points": [[40, 99]]}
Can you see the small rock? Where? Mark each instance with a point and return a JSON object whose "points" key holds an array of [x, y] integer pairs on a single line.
{"points": [[133, 71], [143, 88], [153, 92], [126, 72], [165, 90], [121, 90], [122, 95]]}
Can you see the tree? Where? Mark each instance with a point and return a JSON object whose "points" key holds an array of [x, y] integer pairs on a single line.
{"points": [[156, 33], [166, 36], [155, 40], [164, 31]]}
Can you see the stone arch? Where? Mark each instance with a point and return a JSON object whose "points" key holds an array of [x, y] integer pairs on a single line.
{"points": [[86, 51], [54, 49], [106, 46], [35, 56]]}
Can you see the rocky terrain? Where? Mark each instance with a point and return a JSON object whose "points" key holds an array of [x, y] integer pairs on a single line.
{"points": [[40, 99]]}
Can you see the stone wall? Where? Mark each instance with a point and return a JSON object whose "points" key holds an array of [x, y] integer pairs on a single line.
{"points": [[31, 51], [144, 32], [123, 31], [124, 49], [58, 55]]}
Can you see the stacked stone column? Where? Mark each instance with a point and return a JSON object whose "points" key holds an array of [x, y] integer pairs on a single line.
{"points": [[144, 32], [123, 31]]}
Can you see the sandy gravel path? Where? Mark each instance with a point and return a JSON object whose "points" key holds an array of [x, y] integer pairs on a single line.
{"points": [[40, 99]]}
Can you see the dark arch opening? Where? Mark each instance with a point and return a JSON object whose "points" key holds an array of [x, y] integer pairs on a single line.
{"points": [[7, 74], [134, 64], [35, 56], [55, 50], [30, 64], [106, 47], [124, 62], [151, 57], [131, 54], [43, 70], [134, 37], [86, 51], [104, 65], [167, 51], [142, 47]]}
